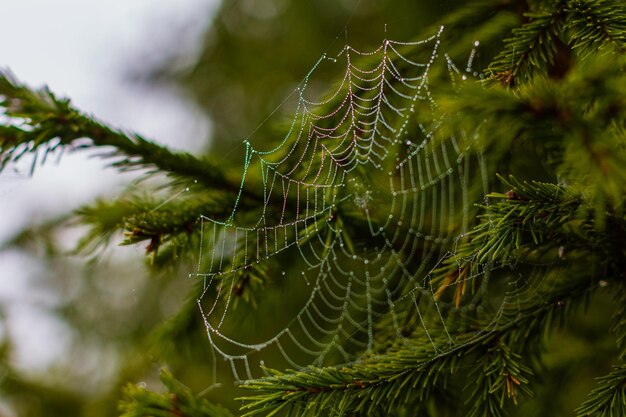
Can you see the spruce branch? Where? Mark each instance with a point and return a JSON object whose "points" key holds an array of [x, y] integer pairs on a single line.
{"points": [[529, 214], [618, 327], [178, 401], [537, 47], [387, 381], [40, 123], [160, 222], [145, 218], [609, 399], [499, 375], [104, 219], [536, 223], [575, 126], [595, 25], [531, 49], [384, 381]]}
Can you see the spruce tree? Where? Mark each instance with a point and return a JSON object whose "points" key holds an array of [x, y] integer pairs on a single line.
{"points": [[505, 189]]}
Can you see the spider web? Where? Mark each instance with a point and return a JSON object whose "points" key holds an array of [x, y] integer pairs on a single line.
{"points": [[359, 202]]}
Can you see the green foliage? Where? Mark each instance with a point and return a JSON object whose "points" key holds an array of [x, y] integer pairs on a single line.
{"points": [[381, 384], [500, 377], [596, 25], [531, 49], [525, 217], [574, 126], [609, 399], [538, 45], [548, 238], [178, 401], [40, 123], [619, 324]]}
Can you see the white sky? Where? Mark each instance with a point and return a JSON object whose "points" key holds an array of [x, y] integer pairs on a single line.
{"points": [[82, 49]]}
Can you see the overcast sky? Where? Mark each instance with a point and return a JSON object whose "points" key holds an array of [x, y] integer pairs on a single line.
{"points": [[83, 49]]}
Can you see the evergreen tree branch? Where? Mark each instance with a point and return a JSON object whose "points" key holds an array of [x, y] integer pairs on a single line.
{"points": [[531, 48], [534, 223], [528, 214], [609, 399], [619, 322], [145, 218], [104, 219], [171, 218], [595, 25], [179, 401], [40, 123], [521, 220], [387, 381], [574, 125], [499, 374], [173, 229]]}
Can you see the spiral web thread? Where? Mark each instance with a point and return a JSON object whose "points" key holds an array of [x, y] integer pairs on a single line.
{"points": [[368, 149]]}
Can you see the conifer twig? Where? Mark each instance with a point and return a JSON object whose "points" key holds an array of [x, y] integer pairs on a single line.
{"points": [[179, 401], [384, 381], [609, 399], [596, 24], [40, 123], [531, 47]]}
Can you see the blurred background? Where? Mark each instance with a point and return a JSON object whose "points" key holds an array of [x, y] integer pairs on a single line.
{"points": [[198, 75]]}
